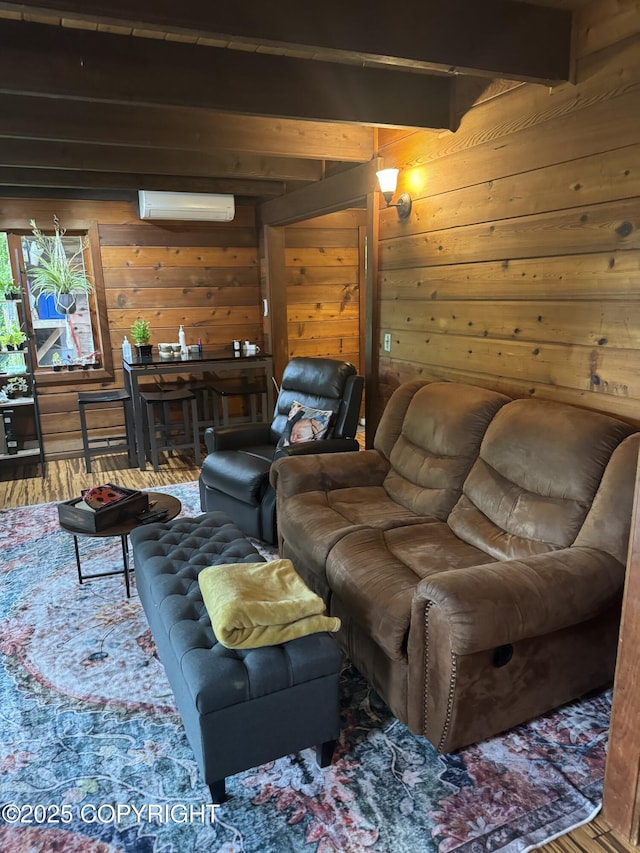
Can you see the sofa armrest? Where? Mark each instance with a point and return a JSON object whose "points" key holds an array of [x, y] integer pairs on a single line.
{"points": [[327, 471], [237, 436], [492, 605]]}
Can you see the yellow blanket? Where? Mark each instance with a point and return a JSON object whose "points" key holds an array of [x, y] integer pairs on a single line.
{"points": [[260, 604]]}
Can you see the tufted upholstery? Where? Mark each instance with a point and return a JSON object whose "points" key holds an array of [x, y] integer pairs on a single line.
{"points": [[239, 707]]}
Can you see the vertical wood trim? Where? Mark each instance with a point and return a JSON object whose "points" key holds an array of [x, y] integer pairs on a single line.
{"points": [[276, 289], [362, 286], [362, 293], [102, 333], [621, 809], [372, 315]]}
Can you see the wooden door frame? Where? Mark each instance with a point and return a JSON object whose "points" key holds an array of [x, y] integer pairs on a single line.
{"points": [[353, 188]]}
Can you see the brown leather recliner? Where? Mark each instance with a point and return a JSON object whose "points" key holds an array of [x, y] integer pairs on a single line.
{"points": [[475, 556]]}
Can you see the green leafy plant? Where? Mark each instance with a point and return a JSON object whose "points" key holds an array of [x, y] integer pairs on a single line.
{"points": [[15, 336], [55, 273], [9, 287], [18, 384], [141, 333]]}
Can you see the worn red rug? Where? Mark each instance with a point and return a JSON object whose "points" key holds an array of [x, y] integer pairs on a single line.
{"points": [[93, 756]]}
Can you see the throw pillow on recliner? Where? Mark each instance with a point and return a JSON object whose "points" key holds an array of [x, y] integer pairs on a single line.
{"points": [[304, 423]]}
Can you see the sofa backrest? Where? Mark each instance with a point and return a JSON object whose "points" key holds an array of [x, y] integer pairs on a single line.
{"points": [[533, 484], [431, 435], [608, 522]]}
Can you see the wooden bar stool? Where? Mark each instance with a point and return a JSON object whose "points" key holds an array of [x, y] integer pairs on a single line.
{"points": [[207, 407], [165, 435], [253, 390], [95, 445]]}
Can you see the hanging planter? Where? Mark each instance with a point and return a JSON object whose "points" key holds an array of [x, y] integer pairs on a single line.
{"points": [[55, 273], [65, 303]]}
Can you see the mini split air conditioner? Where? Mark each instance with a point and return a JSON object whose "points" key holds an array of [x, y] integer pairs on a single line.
{"points": [[202, 207]]}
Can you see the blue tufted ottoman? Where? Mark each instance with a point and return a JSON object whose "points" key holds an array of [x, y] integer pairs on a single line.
{"points": [[240, 708]]}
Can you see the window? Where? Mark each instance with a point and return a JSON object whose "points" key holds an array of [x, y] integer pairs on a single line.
{"points": [[60, 335]]}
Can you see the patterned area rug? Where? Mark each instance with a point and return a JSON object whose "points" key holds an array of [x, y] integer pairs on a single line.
{"points": [[93, 757]]}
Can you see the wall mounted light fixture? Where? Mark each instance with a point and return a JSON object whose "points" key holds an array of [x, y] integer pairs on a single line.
{"points": [[388, 181]]}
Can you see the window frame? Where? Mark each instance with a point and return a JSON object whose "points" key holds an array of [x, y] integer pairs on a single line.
{"points": [[98, 311]]}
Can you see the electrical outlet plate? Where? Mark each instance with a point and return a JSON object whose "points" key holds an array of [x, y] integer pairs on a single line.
{"points": [[387, 342]]}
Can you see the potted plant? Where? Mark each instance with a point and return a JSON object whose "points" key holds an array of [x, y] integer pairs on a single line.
{"points": [[56, 362], [10, 288], [141, 335], [17, 386], [55, 273], [15, 337]]}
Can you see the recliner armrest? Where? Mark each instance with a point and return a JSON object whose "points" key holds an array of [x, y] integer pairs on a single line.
{"points": [[491, 605], [325, 445], [237, 436], [326, 471]]}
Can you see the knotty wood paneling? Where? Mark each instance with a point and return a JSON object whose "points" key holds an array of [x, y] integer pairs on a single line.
{"points": [[519, 270], [519, 265], [201, 275], [322, 270]]}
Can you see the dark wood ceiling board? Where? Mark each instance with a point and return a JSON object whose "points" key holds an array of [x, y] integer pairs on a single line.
{"points": [[74, 179], [111, 158], [40, 59], [495, 37], [180, 129]]}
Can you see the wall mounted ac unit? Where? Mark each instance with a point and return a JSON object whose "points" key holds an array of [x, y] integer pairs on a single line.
{"points": [[203, 207]]}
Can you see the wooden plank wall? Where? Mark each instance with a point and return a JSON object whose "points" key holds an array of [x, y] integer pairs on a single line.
{"points": [[322, 267], [519, 266], [203, 275]]}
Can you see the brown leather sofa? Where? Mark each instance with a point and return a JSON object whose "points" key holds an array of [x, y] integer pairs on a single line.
{"points": [[476, 555]]}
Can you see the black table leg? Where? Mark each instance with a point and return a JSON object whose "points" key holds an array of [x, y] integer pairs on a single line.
{"points": [[125, 562]]}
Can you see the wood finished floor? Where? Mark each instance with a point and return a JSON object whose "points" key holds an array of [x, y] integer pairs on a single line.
{"points": [[24, 486]]}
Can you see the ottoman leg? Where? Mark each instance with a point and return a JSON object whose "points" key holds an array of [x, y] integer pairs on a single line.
{"points": [[324, 753], [218, 792]]}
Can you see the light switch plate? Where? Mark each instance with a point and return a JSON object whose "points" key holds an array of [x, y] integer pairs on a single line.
{"points": [[387, 342]]}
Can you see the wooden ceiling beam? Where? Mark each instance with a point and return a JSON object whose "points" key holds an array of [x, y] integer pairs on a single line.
{"points": [[75, 179], [110, 158], [25, 117], [496, 38], [348, 189], [60, 62]]}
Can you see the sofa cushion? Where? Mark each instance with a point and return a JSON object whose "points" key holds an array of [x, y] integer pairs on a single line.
{"points": [[438, 443], [539, 467], [374, 574]]}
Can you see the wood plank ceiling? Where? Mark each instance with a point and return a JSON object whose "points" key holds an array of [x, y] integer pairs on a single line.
{"points": [[248, 97]]}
